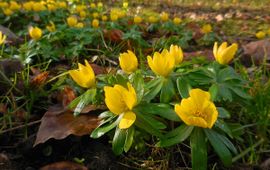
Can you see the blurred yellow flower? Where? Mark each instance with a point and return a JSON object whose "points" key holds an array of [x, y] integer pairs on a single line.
{"points": [[120, 101], [35, 33], [128, 62], [104, 18], [2, 38], [72, 21], [164, 16], [177, 20], [95, 23], [51, 7], [3, 4], [152, 19], [38, 6], [7, 12], [28, 6], [95, 15], [13, 5], [177, 53], [114, 17], [137, 19], [83, 14], [61, 4], [162, 63], [51, 27], [125, 4], [198, 109], [93, 5], [79, 25], [260, 35], [207, 28], [100, 5], [224, 54], [80, 8], [84, 76]]}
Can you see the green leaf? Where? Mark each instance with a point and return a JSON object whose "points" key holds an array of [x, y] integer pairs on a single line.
{"points": [[219, 147], [161, 109], [143, 124], [129, 138], [176, 136], [198, 149], [86, 98], [228, 143], [226, 74], [152, 89], [119, 141], [167, 91], [138, 84], [183, 87], [240, 92], [224, 92], [105, 127], [223, 113], [224, 127], [213, 91]]}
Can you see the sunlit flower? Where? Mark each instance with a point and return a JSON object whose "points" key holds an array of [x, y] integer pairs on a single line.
{"points": [[100, 5], [83, 14], [95, 15], [28, 6], [177, 20], [198, 109], [2, 38], [114, 17], [84, 76], [162, 63], [3, 4], [38, 6], [93, 5], [51, 7], [80, 8], [72, 21], [128, 62], [120, 101], [207, 28], [95, 23], [35, 33], [164, 16], [260, 35], [125, 4], [137, 19], [51, 27], [224, 54], [177, 53]]}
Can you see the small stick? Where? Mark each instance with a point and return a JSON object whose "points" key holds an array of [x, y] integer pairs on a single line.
{"points": [[20, 126]]}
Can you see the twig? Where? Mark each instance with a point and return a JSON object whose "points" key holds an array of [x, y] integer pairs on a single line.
{"points": [[20, 126]]}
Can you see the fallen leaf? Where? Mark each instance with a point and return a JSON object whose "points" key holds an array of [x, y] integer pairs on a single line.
{"points": [[113, 35], [3, 108], [39, 79], [98, 69], [256, 51], [64, 165], [58, 123], [67, 96], [208, 54]]}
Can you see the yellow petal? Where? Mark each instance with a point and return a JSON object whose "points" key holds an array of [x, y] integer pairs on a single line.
{"points": [[128, 62], [211, 114], [127, 120], [199, 97], [78, 78], [222, 47], [130, 97], [228, 53], [198, 121], [114, 100], [215, 49]]}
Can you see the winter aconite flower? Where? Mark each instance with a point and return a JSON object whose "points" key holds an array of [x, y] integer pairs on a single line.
{"points": [[177, 53], [260, 35], [197, 110], [207, 28], [51, 27], [128, 62], [72, 21], [137, 19], [2, 38], [95, 23], [84, 76], [177, 21], [162, 63], [164, 16], [35, 33], [224, 54], [120, 101]]}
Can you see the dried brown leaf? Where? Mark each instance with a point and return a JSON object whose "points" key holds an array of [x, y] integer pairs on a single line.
{"points": [[59, 123]]}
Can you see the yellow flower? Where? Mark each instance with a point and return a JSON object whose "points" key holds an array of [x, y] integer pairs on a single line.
{"points": [[198, 109], [7, 12], [260, 35], [2, 38], [80, 8], [125, 4], [82, 14], [120, 101], [177, 21], [84, 76], [61, 4], [95, 23], [3, 4], [164, 16], [137, 19], [38, 6], [128, 62], [114, 17], [35, 33], [206, 28], [28, 6], [72, 21], [177, 53], [224, 54], [162, 63], [51, 7], [95, 15], [93, 5], [79, 25], [51, 27], [104, 18], [152, 19], [14, 6], [100, 5]]}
